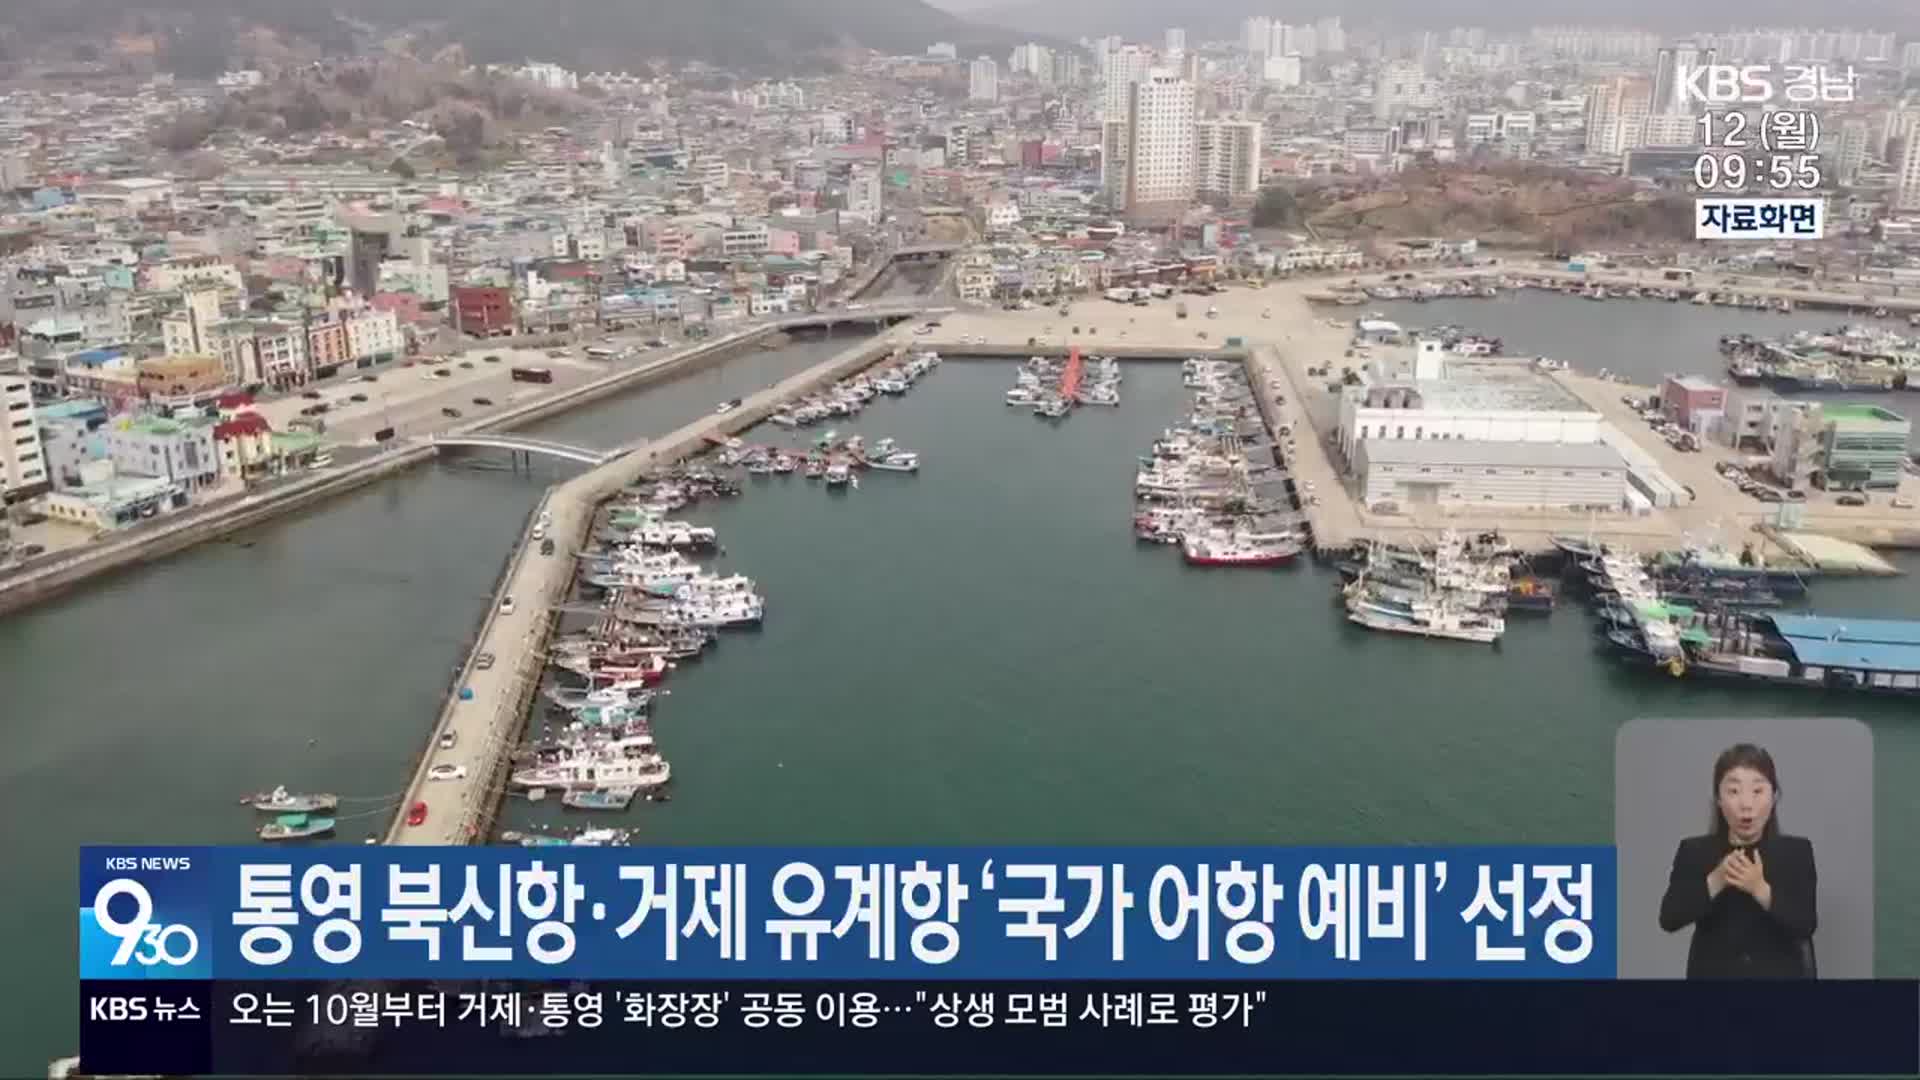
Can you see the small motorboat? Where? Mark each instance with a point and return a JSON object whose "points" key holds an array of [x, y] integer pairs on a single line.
{"points": [[296, 827], [897, 461], [282, 801]]}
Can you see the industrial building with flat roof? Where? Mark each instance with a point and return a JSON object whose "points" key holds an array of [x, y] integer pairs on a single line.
{"points": [[1481, 472]]}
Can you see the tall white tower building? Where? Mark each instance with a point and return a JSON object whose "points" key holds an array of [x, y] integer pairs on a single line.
{"points": [[983, 80]]}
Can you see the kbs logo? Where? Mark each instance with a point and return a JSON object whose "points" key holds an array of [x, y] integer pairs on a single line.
{"points": [[1727, 84], [142, 941], [1754, 84]]}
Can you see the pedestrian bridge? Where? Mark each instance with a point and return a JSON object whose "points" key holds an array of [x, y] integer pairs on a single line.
{"points": [[581, 454]]}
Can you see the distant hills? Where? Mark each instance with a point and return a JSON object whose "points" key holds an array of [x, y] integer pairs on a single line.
{"points": [[196, 37]]}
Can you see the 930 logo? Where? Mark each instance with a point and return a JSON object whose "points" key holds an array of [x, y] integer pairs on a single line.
{"points": [[142, 941]]}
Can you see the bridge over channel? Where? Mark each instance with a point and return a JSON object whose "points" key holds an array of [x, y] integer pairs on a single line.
{"points": [[580, 454]]}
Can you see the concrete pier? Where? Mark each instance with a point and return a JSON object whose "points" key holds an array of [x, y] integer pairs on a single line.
{"points": [[486, 710]]}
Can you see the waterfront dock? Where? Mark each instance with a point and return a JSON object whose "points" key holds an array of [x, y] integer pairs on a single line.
{"points": [[1282, 334], [486, 708], [50, 575]]}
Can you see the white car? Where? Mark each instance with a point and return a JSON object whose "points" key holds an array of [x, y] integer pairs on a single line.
{"points": [[506, 606], [447, 772]]}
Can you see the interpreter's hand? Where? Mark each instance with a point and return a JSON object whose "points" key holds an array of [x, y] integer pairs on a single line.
{"points": [[1717, 877], [1746, 872]]}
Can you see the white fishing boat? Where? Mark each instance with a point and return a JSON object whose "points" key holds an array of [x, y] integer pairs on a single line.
{"points": [[1443, 622], [897, 461], [1023, 395], [623, 763], [838, 475], [1053, 408]]}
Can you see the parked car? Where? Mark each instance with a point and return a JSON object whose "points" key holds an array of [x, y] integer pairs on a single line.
{"points": [[1900, 502], [443, 373], [1851, 499], [468, 364], [506, 605], [491, 359], [483, 661], [546, 546], [483, 401], [447, 772], [450, 411], [358, 397], [417, 814], [314, 394], [448, 739]]}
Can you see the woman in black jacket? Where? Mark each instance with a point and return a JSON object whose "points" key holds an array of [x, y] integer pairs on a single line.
{"points": [[1745, 888]]}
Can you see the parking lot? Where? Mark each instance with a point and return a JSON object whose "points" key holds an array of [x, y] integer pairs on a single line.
{"points": [[1730, 484]]}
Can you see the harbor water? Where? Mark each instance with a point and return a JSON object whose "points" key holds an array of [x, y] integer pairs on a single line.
{"points": [[976, 653]]}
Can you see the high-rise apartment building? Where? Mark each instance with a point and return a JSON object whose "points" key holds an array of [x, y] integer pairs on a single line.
{"points": [[1227, 159], [23, 465], [1160, 147], [1256, 34], [1403, 84], [1670, 69], [983, 80], [1856, 136], [1907, 192], [1125, 65], [1176, 41], [1617, 114]]}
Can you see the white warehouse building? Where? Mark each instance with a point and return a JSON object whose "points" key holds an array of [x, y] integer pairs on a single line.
{"points": [[1435, 429]]}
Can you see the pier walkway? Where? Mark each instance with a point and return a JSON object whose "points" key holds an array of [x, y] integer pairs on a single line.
{"points": [[485, 710]]}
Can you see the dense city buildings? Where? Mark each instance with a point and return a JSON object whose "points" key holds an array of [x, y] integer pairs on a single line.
{"points": [[152, 282]]}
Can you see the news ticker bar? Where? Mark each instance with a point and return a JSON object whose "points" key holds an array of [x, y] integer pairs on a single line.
{"points": [[1078, 1028]]}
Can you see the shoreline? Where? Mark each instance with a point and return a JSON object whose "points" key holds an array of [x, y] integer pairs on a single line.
{"points": [[56, 573]]}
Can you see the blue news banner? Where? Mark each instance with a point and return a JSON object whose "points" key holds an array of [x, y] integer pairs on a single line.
{"points": [[473, 960]]}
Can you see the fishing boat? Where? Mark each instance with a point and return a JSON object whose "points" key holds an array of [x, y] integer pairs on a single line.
{"points": [[1530, 594], [897, 461], [1052, 408], [1441, 622], [610, 798], [296, 827], [784, 463], [1215, 550], [838, 475], [815, 468], [623, 768], [282, 801]]}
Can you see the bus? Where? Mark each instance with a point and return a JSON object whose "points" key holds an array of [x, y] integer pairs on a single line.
{"points": [[600, 353], [532, 374]]}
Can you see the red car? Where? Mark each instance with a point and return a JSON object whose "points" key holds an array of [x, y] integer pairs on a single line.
{"points": [[417, 813]]}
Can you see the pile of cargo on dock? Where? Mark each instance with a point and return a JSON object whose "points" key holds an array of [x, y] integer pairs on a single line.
{"points": [[1460, 588], [1212, 484]]}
